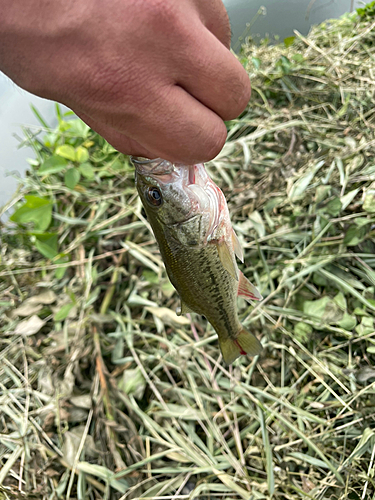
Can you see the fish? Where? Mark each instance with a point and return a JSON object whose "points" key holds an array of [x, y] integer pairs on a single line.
{"points": [[189, 216]]}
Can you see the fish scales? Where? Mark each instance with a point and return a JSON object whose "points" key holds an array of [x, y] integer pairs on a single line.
{"points": [[199, 273], [190, 220]]}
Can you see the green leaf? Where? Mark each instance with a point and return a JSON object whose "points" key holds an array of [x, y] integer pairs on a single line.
{"points": [[302, 331], [52, 165], [289, 41], [369, 203], [66, 151], [333, 207], [60, 271], [325, 309], [347, 322], [35, 209], [256, 62], [72, 177], [340, 301], [354, 235], [366, 326], [298, 57], [82, 154], [87, 170], [301, 184], [78, 128], [63, 312], [322, 191], [133, 382], [348, 198], [46, 244]]}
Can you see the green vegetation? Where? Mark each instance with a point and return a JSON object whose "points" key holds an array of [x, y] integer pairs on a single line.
{"points": [[106, 394]]}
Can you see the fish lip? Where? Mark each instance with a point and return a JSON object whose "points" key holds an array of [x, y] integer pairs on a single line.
{"points": [[152, 166]]}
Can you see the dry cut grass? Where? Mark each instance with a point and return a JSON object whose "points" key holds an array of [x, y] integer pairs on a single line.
{"points": [[106, 394]]}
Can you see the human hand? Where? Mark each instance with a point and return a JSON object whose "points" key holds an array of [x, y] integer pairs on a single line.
{"points": [[153, 77]]}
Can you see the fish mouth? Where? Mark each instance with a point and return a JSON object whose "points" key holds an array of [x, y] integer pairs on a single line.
{"points": [[153, 166], [166, 171]]}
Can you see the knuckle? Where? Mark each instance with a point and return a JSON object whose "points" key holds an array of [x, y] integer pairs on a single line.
{"points": [[215, 141], [160, 13], [240, 95]]}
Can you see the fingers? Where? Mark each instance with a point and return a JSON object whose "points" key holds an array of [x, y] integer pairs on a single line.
{"points": [[213, 75], [175, 126], [180, 127], [118, 140], [214, 17], [201, 63]]}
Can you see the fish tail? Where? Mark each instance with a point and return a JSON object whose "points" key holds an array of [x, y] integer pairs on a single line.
{"points": [[244, 343]]}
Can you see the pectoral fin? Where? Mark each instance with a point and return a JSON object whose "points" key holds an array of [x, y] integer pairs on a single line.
{"points": [[183, 309], [227, 259], [247, 290], [236, 245]]}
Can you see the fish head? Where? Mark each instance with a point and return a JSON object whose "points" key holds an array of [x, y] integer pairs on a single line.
{"points": [[172, 193]]}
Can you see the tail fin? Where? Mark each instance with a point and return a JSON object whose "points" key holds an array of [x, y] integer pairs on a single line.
{"points": [[244, 343]]}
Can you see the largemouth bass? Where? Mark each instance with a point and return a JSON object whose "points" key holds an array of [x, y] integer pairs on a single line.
{"points": [[190, 220]]}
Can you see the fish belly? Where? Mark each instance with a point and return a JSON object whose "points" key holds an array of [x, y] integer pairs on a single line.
{"points": [[205, 286]]}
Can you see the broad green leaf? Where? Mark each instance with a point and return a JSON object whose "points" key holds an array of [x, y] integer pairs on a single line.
{"points": [[87, 170], [348, 198], [341, 301], [52, 165], [133, 382], [289, 41], [324, 308], [302, 331], [366, 326], [369, 203], [66, 151], [348, 322], [301, 184], [354, 235], [72, 177], [35, 209], [82, 154], [344, 284], [60, 271], [46, 244], [256, 62], [298, 58], [63, 312], [78, 128], [333, 207], [322, 191]]}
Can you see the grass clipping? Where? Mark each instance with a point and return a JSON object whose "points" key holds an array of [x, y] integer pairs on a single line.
{"points": [[106, 394]]}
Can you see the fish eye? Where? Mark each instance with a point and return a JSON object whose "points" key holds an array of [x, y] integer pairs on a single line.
{"points": [[154, 196]]}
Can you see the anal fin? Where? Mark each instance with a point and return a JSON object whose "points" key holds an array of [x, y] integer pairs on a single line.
{"points": [[247, 290], [227, 259]]}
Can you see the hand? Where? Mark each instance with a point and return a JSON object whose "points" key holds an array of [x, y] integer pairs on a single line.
{"points": [[153, 77]]}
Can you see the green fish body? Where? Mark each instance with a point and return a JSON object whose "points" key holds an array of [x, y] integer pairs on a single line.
{"points": [[190, 220]]}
